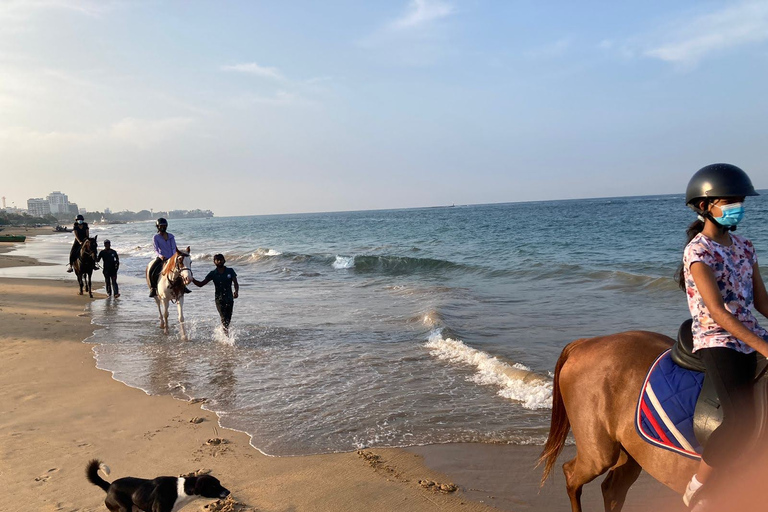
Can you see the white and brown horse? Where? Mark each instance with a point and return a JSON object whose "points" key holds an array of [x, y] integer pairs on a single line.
{"points": [[175, 275]]}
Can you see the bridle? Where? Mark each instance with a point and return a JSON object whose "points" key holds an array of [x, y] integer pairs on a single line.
{"points": [[174, 274]]}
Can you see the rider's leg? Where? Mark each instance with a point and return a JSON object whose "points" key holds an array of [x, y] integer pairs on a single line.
{"points": [[732, 373], [73, 255], [154, 274]]}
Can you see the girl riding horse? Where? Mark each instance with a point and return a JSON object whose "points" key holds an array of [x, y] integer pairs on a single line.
{"points": [[721, 278]]}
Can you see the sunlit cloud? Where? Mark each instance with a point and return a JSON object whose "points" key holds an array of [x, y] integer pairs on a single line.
{"points": [[690, 42], [252, 68], [423, 12], [138, 133]]}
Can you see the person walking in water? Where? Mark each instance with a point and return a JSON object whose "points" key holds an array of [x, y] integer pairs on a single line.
{"points": [[722, 280], [223, 278], [110, 265], [82, 233]]}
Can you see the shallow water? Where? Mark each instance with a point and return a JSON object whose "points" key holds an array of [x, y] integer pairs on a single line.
{"points": [[393, 328]]}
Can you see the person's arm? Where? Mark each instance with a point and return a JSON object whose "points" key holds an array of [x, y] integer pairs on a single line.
{"points": [[706, 283], [172, 240], [117, 261], [201, 283], [98, 256], [237, 287], [758, 287], [156, 245]]}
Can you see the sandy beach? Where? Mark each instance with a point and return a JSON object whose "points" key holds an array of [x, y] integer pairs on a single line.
{"points": [[59, 411]]}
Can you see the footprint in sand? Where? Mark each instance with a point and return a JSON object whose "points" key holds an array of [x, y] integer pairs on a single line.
{"points": [[47, 475]]}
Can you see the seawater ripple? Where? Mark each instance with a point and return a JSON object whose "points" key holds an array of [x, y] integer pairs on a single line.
{"points": [[399, 327]]}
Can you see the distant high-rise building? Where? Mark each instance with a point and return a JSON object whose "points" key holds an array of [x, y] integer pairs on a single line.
{"points": [[59, 203], [38, 206], [107, 211]]}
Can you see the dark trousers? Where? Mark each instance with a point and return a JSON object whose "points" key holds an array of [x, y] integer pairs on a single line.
{"points": [[74, 252], [732, 374], [110, 281], [154, 272], [225, 311]]}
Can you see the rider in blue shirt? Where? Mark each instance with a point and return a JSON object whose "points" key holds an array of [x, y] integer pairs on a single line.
{"points": [[165, 247]]}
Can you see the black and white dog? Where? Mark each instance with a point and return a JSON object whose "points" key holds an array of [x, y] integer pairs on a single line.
{"points": [[163, 494]]}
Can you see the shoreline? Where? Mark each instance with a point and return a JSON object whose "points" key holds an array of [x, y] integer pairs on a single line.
{"points": [[62, 411]]}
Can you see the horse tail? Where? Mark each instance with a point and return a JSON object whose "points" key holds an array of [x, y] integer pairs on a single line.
{"points": [[560, 425]]}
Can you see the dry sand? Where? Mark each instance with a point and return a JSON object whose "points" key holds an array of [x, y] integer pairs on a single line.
{"points": [[58, 411]]}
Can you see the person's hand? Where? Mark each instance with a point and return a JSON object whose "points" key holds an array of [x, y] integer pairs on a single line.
{"points": [[235, 294]]}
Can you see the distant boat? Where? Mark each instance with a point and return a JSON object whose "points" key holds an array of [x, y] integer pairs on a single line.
{"points": [[12, 238]]}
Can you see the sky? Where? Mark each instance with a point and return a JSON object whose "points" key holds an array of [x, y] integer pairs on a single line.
{"points": [[262, 107]]}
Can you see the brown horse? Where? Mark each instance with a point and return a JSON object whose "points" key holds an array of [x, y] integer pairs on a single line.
{"points": [[85, 264], [595, 391]]}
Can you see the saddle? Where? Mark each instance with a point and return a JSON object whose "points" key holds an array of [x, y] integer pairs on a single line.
{"points": [[708, 414]]}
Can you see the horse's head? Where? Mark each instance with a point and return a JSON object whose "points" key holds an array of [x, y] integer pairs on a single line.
{"points": [[184, 265], [90, 247]]}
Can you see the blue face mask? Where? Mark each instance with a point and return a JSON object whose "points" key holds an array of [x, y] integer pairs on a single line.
{"points": [[79, 222], [732, 214]]}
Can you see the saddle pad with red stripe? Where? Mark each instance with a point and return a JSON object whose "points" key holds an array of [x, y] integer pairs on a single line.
{"points": [[664, 415]]}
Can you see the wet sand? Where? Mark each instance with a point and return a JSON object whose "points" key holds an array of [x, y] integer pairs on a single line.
{"points": [[59, 411]]}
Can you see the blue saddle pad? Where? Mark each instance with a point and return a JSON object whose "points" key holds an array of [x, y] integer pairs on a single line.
{"points": [[664, 415]]}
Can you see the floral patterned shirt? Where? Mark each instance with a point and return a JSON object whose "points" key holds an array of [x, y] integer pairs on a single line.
{"points": [[732, 266]]}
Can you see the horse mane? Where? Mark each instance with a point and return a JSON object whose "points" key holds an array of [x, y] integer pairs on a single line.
{"points": [[170, 264]]}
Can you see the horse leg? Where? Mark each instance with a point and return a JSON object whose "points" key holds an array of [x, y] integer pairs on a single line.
{"points": [[80, 282], [179, 306], [586, 466], [618, 481], [160, 312], [90, 286], [164, 320]]}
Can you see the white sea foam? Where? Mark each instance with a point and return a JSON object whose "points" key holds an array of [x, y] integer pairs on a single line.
{"points": [[344, 262], [517, 382]]}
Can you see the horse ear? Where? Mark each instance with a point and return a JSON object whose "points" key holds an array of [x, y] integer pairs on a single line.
{"points": [[188, 250], [94, 238]]}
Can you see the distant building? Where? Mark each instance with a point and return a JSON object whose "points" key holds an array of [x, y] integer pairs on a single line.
{"points": [[82, 211], [59, 203], [38, 207], [107, 211], [73, 209]]}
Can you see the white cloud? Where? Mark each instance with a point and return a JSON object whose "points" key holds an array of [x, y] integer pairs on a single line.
{"points": [[733, 26], [252, 68], [423, 12], [141, 133]]}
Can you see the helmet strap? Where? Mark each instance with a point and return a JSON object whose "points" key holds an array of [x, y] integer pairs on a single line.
{"points": [[706, 215]]}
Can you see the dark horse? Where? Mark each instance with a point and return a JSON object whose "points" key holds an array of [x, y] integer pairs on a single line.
{"points": [[85, 263], [595, 391]]}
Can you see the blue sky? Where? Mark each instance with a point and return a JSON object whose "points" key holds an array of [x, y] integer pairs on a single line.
{"points": [[292, 106]]}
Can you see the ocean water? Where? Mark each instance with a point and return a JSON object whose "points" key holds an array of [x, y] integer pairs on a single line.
{"points": [[393, 328]]}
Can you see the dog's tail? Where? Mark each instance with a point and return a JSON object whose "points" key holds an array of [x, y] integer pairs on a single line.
{"points": [[92, 472]]}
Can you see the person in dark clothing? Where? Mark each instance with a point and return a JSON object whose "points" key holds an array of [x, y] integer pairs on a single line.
{"points": [[223, 278], [81, 231], [110, 264]]}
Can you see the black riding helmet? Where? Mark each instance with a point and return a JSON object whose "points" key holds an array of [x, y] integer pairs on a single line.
{"points": [[79, 217], [161, 222], [718, 180]]}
